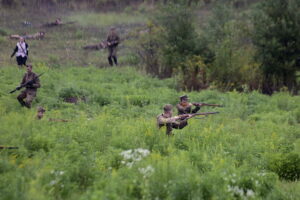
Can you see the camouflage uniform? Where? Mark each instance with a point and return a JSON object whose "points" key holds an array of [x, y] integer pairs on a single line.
{"points": [[30, 92], [112, 43], [170, 123], [186, 108]]}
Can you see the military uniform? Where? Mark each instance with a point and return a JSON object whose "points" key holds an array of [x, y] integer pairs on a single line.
{"points": [[30, 92], [37, 36], [186, 108], [170, 123], [112, 43]]}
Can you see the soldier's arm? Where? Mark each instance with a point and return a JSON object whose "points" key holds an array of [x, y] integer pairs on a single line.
{"points": [[196, 109], [27, 51], [14, 52], [36, 83], [180, 109], [23, 80], [108, 39], [164, 121], [117, 40]]}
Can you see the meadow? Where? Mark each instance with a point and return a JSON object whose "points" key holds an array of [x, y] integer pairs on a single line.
{"points": [[111, 148], [248, 151]]}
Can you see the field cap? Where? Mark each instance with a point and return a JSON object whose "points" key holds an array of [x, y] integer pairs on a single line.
{"points": [[168, 107], [41, 109], [184, 97]]}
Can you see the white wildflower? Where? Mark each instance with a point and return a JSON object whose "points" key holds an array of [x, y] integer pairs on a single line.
{"points": [[133, 155], [250, 193], [53, 182], [147, 171]]}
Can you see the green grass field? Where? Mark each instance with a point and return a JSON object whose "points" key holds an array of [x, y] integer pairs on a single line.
{"points": [[110, 148]]}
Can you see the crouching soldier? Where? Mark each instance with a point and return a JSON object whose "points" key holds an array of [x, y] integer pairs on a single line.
{"points": [[166, 119], [112, 43], [30, 92]]}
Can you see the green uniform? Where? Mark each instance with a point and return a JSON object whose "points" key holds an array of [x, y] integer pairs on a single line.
{"points": [[30, 92], [187, 109], [170, 123]]}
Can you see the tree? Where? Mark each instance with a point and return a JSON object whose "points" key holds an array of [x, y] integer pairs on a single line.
{"points": [[277, 39]]}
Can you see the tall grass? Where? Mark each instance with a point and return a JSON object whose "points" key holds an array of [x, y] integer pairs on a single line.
{"points": [[225, 156]]}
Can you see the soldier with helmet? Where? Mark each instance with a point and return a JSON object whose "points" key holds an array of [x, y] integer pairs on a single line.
{"points": [[166, 119], [185, 107], [31, 89], [112, 43]]}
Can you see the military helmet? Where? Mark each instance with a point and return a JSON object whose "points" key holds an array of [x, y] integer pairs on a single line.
{"points": [[168, 107], [183, 97], [41, 109]]}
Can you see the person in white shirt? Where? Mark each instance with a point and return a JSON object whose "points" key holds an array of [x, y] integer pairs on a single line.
{"points": [[21, 52]]}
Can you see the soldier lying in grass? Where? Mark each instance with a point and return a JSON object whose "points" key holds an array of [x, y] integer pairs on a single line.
{"points": [[101, 45], [36, 36]]}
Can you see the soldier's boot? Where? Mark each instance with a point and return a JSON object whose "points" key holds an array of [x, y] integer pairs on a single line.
{"points": [[28, 105], [115, 59], [110, 61], [21, 101]]}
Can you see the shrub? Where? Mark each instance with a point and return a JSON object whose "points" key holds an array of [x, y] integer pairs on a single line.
{"points": [[287, 166]]}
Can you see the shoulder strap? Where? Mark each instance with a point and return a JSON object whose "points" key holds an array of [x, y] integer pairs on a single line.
{"points": [[22, 47]]}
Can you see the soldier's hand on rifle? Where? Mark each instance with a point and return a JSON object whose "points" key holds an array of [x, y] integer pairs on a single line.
{"points": [[198, 104], [184, 116]]}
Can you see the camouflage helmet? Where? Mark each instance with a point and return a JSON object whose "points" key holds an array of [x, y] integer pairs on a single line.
{"points": [[184, 97], [41, 109], [168, 107]]}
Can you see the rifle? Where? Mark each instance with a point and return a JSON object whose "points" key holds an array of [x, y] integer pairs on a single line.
{"points": [[25, 84], [3, 147], [207, 104], [189, 116]]}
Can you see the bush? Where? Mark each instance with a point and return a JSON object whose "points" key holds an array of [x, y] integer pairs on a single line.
{"points": [[287, 166]]}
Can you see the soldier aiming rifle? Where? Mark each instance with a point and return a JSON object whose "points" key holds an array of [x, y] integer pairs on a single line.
{"points": [[177, 122], [185, 107]]}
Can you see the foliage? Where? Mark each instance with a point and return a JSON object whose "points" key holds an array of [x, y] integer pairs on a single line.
{"points": [[227, 156], [276, 37], [287, 166]]}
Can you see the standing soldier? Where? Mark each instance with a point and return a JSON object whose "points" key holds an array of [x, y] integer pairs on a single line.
{"points": [[184, 107], [30, 92], [21, 52], [166, 119], [112, 43]]}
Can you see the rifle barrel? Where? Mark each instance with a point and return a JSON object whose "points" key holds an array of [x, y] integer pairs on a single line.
{"points": [[206, 113]]}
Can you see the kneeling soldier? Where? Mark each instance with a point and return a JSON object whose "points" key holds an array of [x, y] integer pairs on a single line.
{"points": [[185, 107], [30, 92], [166, 119]]}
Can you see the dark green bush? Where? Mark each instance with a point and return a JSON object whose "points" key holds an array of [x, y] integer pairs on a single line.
{"points": [[287, 166], [72, 92]]}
